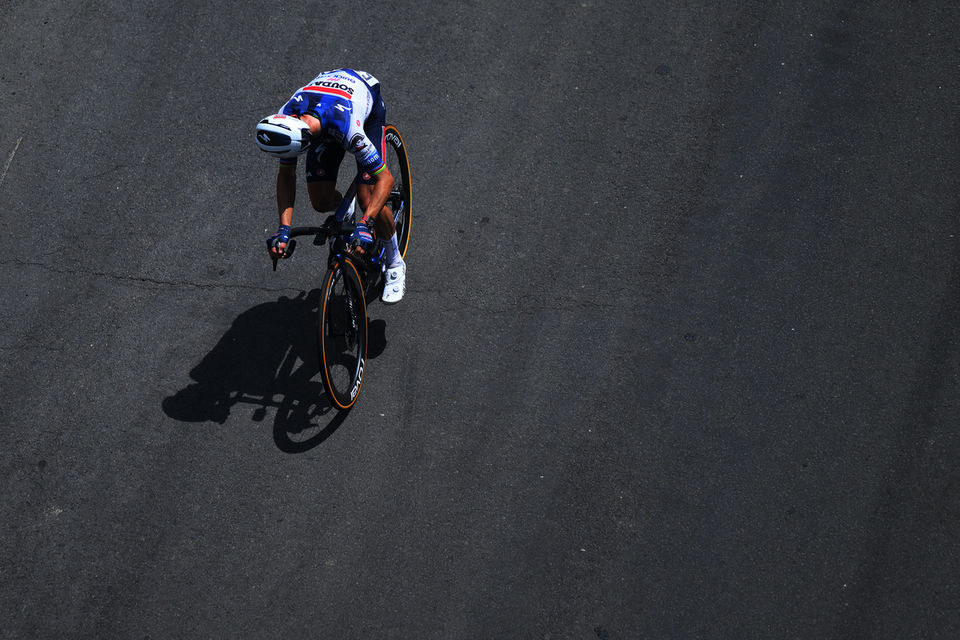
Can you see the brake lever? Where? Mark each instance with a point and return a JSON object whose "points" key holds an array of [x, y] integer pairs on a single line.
{"points": [[287, 252]]}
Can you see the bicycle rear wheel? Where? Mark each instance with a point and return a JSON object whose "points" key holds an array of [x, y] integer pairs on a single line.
{"points": [[401, 198], [343, 334]]}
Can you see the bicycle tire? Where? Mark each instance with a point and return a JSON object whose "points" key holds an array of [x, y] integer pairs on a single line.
{"points": [[343, 334], [401, 197]]}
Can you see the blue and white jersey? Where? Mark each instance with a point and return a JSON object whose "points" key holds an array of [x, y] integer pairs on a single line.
{"points": [[341, 100]]}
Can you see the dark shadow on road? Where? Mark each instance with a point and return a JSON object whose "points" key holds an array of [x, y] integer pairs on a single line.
{"points": [[268, 359]]}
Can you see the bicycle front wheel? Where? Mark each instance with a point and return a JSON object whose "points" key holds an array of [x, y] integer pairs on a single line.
{"points": [[401, 198], [343, 334]]}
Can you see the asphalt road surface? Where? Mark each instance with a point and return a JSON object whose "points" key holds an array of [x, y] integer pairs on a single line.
{"points": [[678, 356]]}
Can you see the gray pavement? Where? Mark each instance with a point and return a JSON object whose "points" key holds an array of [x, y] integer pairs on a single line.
{"points": [[678, 358]]}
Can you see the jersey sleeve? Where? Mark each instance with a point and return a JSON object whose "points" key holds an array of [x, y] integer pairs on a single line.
{"points": [[366, 153]]}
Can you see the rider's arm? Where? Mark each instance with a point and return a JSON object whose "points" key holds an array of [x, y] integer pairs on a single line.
{"points": [[286, 192], [381, 191]]}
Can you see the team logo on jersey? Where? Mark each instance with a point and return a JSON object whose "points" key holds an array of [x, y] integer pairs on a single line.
{"points": [[357, 142], [336, 85]]}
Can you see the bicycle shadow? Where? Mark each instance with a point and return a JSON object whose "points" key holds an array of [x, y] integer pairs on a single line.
{"points": [[268, 359]]}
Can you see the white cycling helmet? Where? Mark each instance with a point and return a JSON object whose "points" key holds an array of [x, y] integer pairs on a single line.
{"points": [[283, 136]]}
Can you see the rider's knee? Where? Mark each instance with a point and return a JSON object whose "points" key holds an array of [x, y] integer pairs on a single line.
{"points": [[324, 198], [321, 205]]}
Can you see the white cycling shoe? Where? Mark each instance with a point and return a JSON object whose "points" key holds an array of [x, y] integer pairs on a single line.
{"points": [[395, 284]]}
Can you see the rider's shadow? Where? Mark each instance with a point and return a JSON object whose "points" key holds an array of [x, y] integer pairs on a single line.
{"points": [[269, 358]]}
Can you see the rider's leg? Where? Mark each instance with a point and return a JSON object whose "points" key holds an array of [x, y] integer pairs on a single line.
{"points": [[324, 195], [394, 284], [386, 228], [323, 164]]}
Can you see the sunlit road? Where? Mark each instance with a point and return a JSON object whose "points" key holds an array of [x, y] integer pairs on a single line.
{"points": [[678, 357]]}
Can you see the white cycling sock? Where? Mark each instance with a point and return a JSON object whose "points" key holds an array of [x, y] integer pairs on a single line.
{"points": [[392, 250]]}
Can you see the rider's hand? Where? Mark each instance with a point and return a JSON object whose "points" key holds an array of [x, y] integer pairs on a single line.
{"points": [[362, 234], [277, 243]]}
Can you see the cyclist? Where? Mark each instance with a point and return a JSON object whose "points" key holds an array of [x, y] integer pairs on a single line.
{"points": [[338, 110]]}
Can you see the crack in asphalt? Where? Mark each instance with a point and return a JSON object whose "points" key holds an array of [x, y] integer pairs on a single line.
{"points": [[6, 166], [522, 306], [145, 280], [101, 174]]}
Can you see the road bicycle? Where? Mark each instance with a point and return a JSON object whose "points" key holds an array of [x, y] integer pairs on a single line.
{"points": [[354, 276]]}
